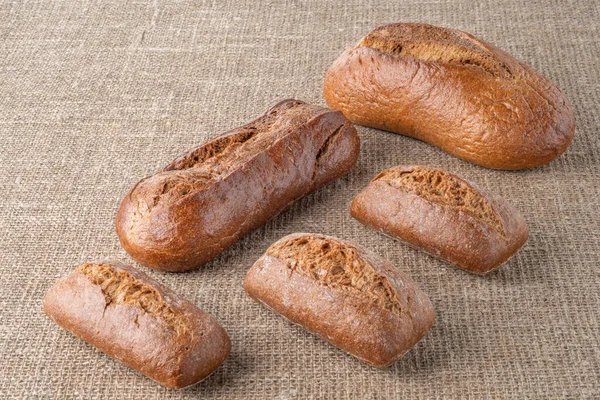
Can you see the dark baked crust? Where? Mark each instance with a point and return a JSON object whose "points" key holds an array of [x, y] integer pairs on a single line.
{"points": [[139, 322], [452, 219], [210, 197], [367, 308], [454, 91]]}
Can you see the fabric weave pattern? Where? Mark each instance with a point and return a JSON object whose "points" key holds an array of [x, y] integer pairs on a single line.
{"points": [[96, 95]]}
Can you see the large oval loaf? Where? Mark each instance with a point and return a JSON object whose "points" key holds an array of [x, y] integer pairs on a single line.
{"points": [[454, 91], [210, 197], [442, 214], [144, 325], [344, 293]]}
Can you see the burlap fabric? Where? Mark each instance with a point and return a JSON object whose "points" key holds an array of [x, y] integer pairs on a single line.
{"points": [[96, 95]]}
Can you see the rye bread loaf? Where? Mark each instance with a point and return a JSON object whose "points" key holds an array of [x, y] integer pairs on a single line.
{"points": [[210, 197], [442, 214], [454, 91], [344, 293], [139, 322]]}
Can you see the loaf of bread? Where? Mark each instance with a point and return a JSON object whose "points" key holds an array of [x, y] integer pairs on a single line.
{"points": [[442, 214], [344, 293], [449, 89], [144, 325], [210, 197]]}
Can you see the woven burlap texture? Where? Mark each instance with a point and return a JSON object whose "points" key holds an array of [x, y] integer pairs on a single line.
{"points": [[96, 95]]}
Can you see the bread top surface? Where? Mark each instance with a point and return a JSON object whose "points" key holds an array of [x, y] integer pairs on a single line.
{"points": [[198, 168], [218, 156], [442, 187], [340, 265], [429, 43], [120, 287]]}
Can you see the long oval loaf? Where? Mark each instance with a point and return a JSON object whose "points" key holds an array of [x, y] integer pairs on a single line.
{"points": [[454, 91], [442, 214], [210, 197], [344, 293], [141, 323]]}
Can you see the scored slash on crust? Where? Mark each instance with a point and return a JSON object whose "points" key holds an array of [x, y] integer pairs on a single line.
{"points": [[335, 264]]}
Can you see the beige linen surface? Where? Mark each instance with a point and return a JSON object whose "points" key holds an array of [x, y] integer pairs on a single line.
{"points": [[96, 95]]}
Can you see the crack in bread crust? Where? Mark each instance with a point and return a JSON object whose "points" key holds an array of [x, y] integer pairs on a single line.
{"points": [[213, 149], [336, 264], [197, 169], [324, 149], [120, 287], [434, 44], [444, 188]]}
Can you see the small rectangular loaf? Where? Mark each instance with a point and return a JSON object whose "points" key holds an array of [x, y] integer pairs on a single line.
{"points": [[442, 214], [344, 293], [139, 322], [210, 197]]}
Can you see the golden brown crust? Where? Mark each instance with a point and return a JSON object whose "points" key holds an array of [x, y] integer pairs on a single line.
{"points": [[442, 214], [210, 197], [454, 91], [120, 287], [344, 293], [139, 322], [334, 263], [438, 186]]}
